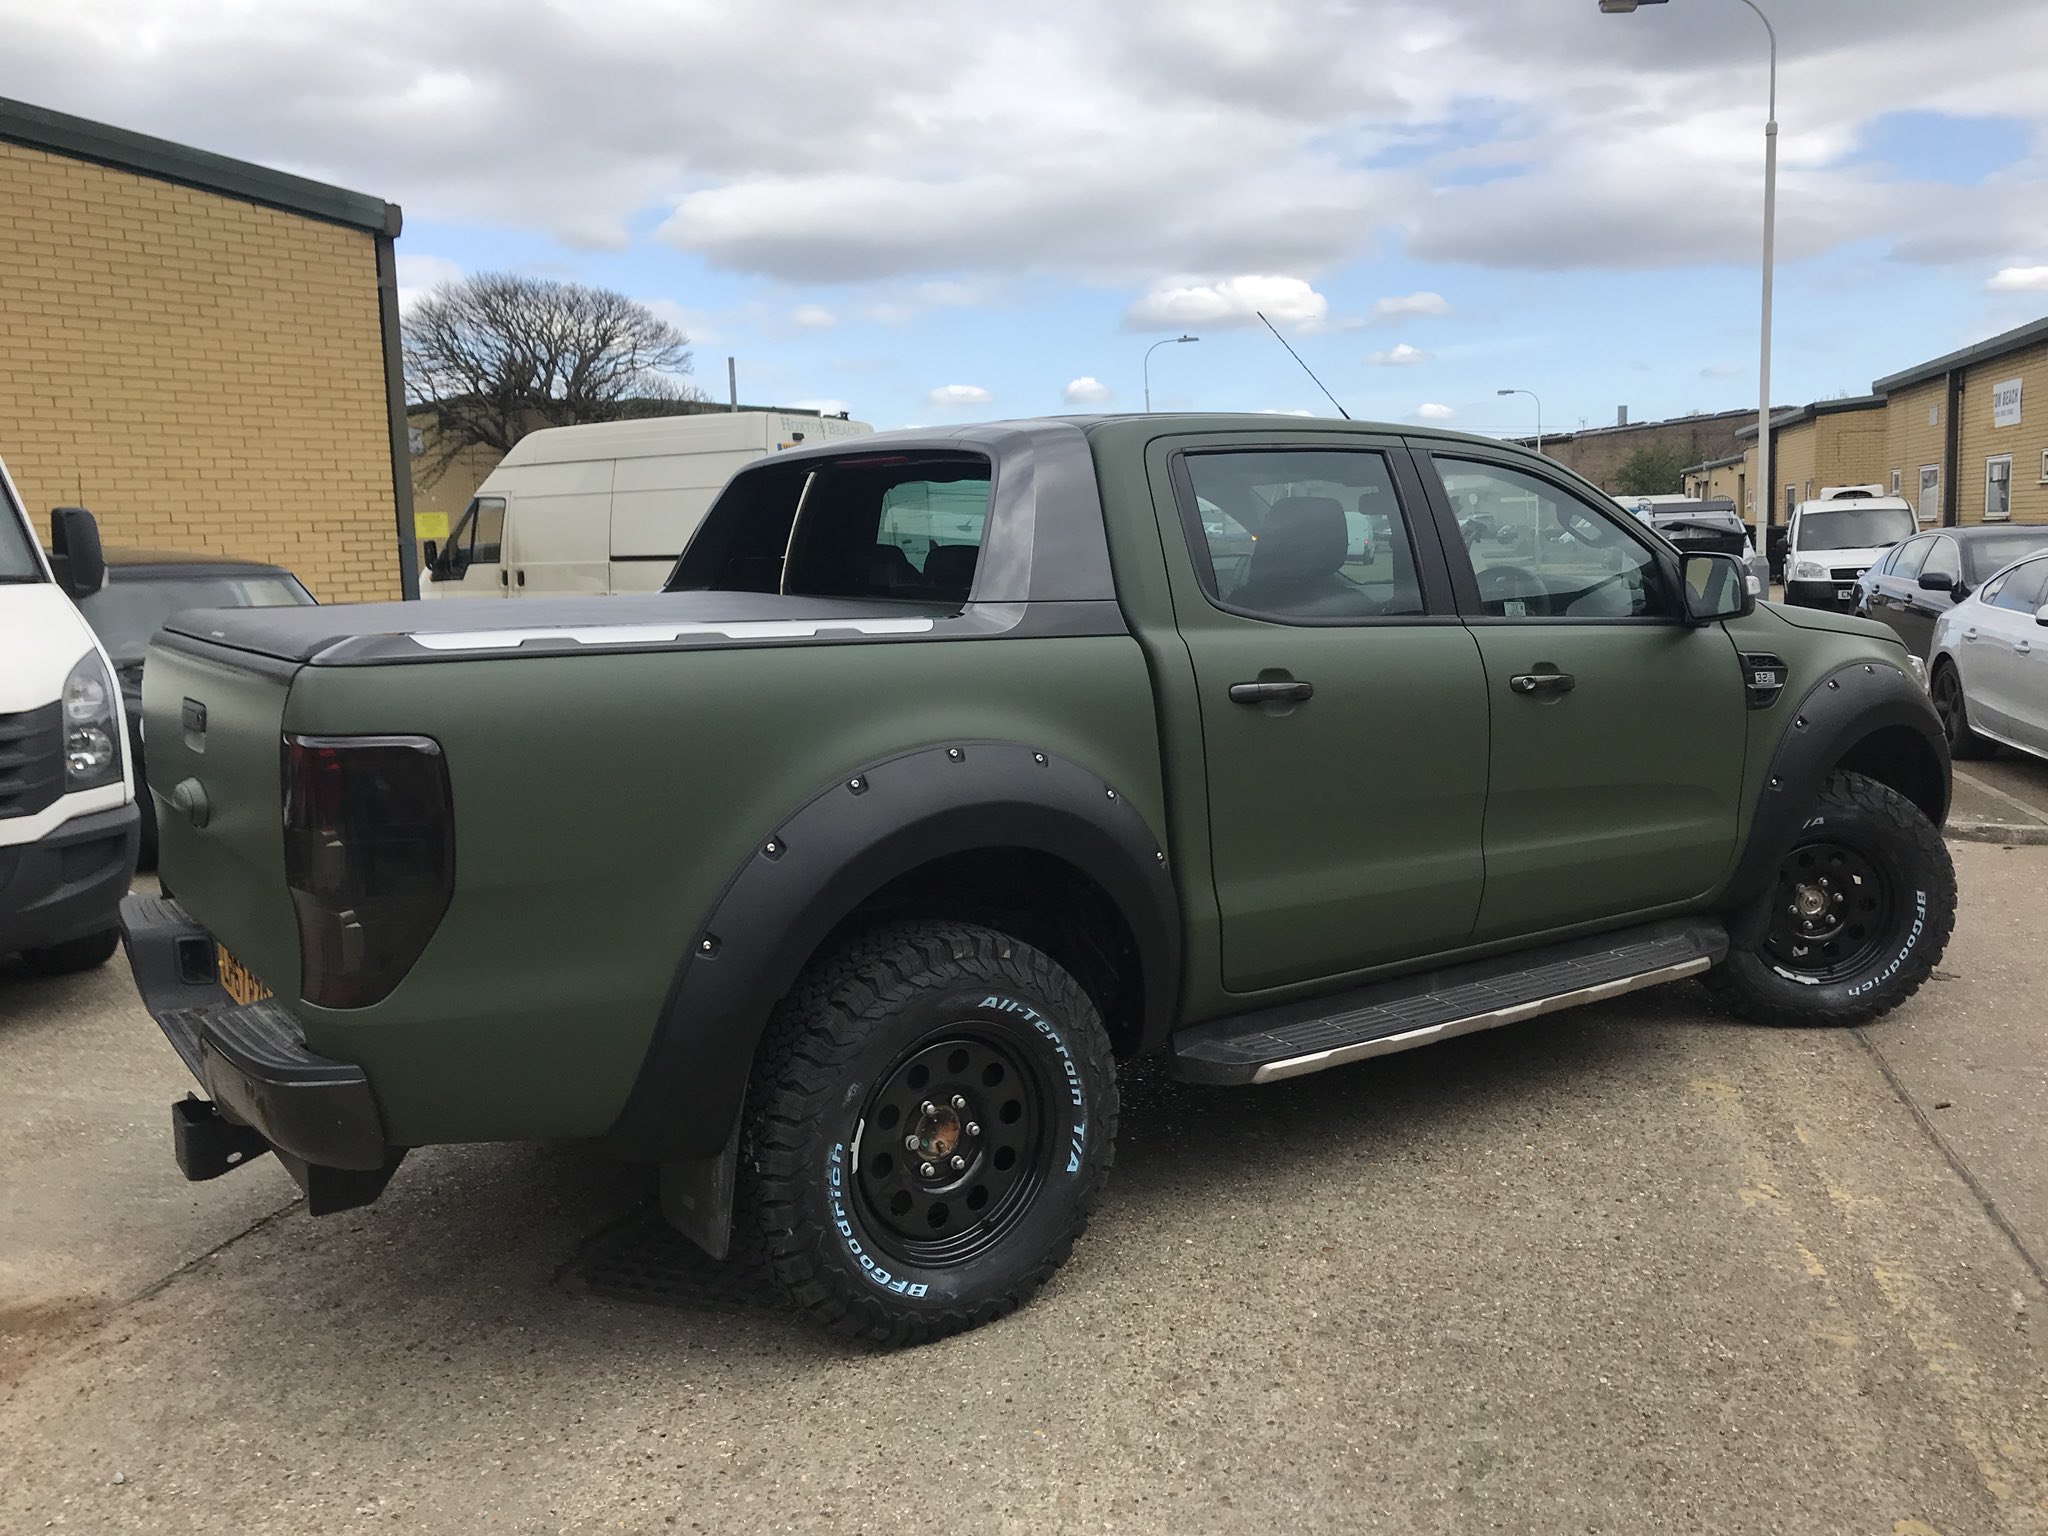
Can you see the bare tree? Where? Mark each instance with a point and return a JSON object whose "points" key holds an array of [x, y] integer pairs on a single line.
{"points": [[495, 355]]}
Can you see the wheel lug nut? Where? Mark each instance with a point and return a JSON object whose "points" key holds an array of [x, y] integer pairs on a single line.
{"points": [[958, 1162], [928, 1108], [926, 1169], [910, 1143], [959, 1101], [974, 1127]]}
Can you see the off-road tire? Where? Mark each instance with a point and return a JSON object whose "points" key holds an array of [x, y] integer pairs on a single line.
{"points": [[837, 1046], [1951, 704], [85, 954], [1880, 827]]}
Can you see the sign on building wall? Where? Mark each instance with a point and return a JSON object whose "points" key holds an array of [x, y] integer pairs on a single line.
{"points": [[2005, 403]]}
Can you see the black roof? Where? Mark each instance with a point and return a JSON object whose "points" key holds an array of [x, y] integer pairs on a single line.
{"points": [[180, 562]]}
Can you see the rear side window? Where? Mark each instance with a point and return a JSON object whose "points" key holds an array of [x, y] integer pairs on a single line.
{"points": [[891, 526], [2022, 586], [1301, 534]]}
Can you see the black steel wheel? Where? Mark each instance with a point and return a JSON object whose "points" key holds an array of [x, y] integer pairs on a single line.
{"points": [[1954, 710], [932, 1117], [1855, 920]]}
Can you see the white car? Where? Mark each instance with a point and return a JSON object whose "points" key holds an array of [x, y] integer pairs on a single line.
{"points": [[1988, 664]]}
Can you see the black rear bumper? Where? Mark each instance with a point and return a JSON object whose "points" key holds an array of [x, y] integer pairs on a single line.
{"points": [[319, 1115]]}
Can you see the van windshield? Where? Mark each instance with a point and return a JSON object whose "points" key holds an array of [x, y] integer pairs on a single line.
{"points": [[1855, 527], [17, 560]]}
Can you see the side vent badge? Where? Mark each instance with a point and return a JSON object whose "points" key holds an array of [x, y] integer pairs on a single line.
{"points": [[1763, 678]]}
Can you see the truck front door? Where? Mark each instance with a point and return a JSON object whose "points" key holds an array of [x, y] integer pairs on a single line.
{"points": [[1617, 728], [471, 564], [1342, 705]]}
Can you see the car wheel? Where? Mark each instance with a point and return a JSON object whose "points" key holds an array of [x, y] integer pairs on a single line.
{"points": [[1858, 913], [95, 949], [1954, 710], [932, 1116]]}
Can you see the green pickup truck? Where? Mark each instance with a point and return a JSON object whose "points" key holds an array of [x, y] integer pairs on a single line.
{"points": [[954, 768]]}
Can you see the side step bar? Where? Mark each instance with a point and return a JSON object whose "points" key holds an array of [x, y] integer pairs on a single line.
{"points": [[1385, 1017]]}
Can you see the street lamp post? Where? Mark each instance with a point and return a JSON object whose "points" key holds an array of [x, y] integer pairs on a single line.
{"points": [[1539, 411], [1765, 493], [1170, 341]]}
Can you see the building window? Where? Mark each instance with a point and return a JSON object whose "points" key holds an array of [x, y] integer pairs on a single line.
{"points": [[1791, 501], [416, 440], [1895, 482], [2044, 466], [1998, 488], [1930, 493], [1809, 491]]}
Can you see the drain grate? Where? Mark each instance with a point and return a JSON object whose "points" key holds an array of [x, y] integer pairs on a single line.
{"points": [[645, 1260]]}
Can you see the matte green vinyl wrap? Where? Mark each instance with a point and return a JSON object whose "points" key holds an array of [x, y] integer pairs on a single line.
{"points": [[601, 803]]}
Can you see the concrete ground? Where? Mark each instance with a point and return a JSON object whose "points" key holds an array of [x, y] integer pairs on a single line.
{"points": [[1627, 1270]]}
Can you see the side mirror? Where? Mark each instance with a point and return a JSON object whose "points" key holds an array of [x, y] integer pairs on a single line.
{"points": [[75, 556], [430, 553], [2041, 614], [1716, 588], [1937, 581]]}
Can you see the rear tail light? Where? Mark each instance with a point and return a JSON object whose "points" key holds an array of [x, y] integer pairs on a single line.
{"points": [[369, 855]]}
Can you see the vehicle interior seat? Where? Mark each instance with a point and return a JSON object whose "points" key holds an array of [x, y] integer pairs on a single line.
{"points": [[1296, 566], [890, 573], [949, 570]]}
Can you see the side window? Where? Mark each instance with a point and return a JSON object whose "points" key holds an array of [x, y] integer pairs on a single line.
{"points": [[1906, 559], [2022, 586], [1538, 551], [487, 530], [1301, 534], [1944, 560]]}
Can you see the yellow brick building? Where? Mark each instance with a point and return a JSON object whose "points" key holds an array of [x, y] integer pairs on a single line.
{"points": [[204, 352], [1978, 418], [1830, 442]]}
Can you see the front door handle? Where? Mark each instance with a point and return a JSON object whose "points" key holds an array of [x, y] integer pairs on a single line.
{"points": [[1970, 633], [1270, 693], [1543, 682]]}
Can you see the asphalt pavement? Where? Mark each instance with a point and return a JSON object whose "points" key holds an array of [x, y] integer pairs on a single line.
{"points": [[1632, 1269]]}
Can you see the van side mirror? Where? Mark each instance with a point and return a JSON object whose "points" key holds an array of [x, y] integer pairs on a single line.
{"points": [[76, 559], [1937, 581], [430, 553], [1716, 588]]}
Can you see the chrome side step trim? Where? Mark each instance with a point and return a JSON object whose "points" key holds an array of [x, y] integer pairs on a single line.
{"points": [[1387, 1045]]}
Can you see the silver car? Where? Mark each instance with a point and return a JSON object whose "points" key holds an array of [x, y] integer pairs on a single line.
{"points": [[1988, 663]]}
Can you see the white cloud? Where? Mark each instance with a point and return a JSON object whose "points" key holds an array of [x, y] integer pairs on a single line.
{"points": [[955, 396], [1724, 370], [1433, 412], [902, 308], [825, 407], [1173, 303], [813, 317], [1406, 305], [1401, 355], [1085, 391], [2020, 280], [420, 275]]}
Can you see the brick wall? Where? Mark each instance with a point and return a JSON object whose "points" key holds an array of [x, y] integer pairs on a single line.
{"points": [[205, 374], [1849, 449], [1599, 452], [2025, 442], [1913, 437]]}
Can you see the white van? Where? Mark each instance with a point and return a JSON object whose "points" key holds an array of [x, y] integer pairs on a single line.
{"points": [[1838, 536], [606, 507], [67, 797]]}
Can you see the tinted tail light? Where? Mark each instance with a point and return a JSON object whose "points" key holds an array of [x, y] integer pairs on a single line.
{"points": [[369, 855]]}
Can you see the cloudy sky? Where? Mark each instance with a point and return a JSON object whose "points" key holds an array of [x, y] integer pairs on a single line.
{"points": [[935, 211]]}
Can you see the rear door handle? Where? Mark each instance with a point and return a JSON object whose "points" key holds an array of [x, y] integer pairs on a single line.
{"points": [[1543, 682], [1269, 693], [2023, 647], [1970, 633]]}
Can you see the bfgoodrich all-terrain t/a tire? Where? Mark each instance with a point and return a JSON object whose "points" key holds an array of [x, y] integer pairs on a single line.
{"points": [[1858, 914], [932, 1116]]}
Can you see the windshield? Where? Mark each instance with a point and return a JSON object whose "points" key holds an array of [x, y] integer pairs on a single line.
{"points": [[17, 559], [126, 613], [1855, 528], [1988, 552]]}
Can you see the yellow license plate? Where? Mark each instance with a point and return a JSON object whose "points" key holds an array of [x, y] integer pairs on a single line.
{"points": [[235, 978]]}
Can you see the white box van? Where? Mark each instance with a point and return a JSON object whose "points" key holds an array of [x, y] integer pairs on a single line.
{"points": [[67, 796], [609, 506], [1838, 536]]}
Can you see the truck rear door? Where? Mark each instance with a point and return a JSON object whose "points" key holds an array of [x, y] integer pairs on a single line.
{"points": [[1343, 705]]}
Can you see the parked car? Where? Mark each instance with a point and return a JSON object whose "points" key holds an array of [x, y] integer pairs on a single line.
{"points": [[1989, 668], [144, 587], [842, 900], [1701, 527], [1834, 540], [1928, 574], [606, 506], [67, 801]]}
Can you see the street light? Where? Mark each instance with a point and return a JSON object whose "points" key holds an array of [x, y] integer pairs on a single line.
{"points": [[1530, 392], [1765, 494], [1170, 341]]}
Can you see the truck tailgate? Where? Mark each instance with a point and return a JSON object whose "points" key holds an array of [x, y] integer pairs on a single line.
{"points": [[213, 722]]}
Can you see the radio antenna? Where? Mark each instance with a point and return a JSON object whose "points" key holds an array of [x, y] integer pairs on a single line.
{"points": [[1304, 366]]}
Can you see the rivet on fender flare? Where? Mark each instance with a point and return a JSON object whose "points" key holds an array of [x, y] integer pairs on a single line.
{"points": [[1038, 758], [1111, 793], [955, 754], [858, 786], [707, 946]]}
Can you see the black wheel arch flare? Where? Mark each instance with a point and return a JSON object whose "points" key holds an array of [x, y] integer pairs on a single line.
{"points": [[820, 863], [1868, 715]]}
